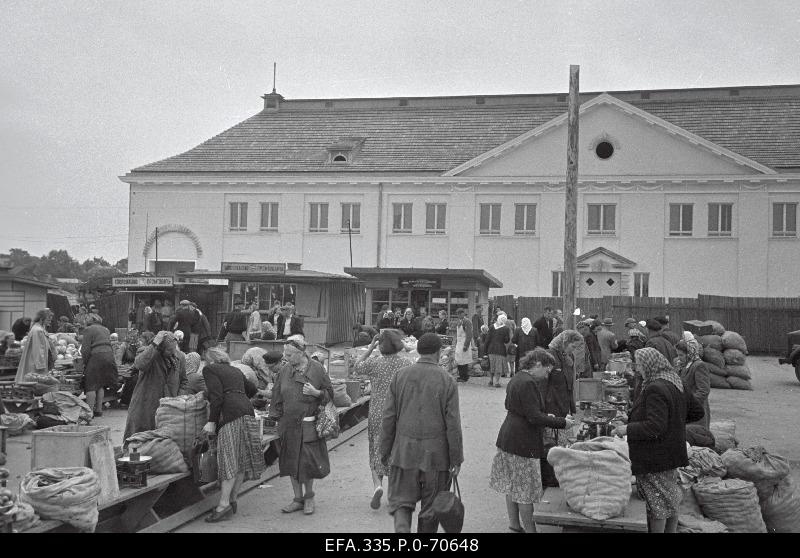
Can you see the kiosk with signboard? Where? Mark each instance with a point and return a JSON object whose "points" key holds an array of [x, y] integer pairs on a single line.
{"points": [[433, 289]]}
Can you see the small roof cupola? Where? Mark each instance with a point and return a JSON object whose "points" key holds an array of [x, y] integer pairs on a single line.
{"points": [[272, 101]]}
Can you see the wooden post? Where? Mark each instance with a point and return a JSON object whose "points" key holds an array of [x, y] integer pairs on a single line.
{"points": [[571, 208]]}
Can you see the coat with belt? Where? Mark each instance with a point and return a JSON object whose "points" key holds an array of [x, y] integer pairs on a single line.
{"points": [[696, 381], [522, 432], [421, 427], [657, 428]]}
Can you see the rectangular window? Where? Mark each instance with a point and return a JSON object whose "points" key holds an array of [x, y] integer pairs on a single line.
{"points": [[680, 219], [351, 217], [720, 219], [319, 218], [269, 216], [525, 218], [641, 284], [401, 217], [490, 218], [602, 219], [435, 218], [558, 283], [238, 216], [784, 219]]}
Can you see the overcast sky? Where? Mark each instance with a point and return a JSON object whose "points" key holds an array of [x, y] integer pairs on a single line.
{"points": [[90, 90]]}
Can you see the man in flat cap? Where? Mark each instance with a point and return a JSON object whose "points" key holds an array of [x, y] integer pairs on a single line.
{"points": [[673, 337], [421, 437], [657, 340]]}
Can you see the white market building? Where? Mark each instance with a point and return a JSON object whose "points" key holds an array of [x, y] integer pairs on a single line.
{"points": [[681, 192]]}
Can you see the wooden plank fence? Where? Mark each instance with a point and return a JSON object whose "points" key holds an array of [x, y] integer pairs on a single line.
{"points": [[763, 322]]}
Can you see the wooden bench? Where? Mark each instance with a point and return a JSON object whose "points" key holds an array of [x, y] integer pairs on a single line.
{"points": [[553, 510]]}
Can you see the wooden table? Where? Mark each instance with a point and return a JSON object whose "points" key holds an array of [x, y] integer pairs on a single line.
{"points": [[553, 510]]}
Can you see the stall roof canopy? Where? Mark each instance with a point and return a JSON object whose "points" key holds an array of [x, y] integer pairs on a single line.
{"points": [[299, 275], [477, 274]]}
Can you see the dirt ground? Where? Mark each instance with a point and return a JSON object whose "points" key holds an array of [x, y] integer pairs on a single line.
{"points": [[765, 416]]}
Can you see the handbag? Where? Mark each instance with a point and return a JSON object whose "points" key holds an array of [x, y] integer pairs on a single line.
{"points": [[204, 459], [328, 421], [449, 509]]}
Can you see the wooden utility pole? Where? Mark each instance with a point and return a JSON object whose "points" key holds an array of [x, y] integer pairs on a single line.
{"points": [[571, 209]]}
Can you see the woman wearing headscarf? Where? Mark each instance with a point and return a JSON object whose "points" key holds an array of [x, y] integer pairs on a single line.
{"points": [[162, 373], [694, 374], [232, 418], [380, 370], [194, 376], [39, 353], [636, 340], [520, 443], [7, 339], [100, 366], [496, 347], [559, 397], [302, 386], [525, 338], [656, 432]]}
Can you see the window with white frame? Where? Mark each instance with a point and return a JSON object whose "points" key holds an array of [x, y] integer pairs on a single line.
{"points": [[318, 221], [558, 283], [269, 216], [351, 217], [435, 218], [784, 219], [680, 219], [238, 216], [525, 218], [641, 284], [401, 217], [720, 219], [490, 218], [602, 218]]}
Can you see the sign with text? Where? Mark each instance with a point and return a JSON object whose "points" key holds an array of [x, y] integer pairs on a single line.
{"points": [[141, 281], [418, 283], [234, 267]]}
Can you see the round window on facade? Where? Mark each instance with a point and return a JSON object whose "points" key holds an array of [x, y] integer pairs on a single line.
{"points": [[604, 150]]}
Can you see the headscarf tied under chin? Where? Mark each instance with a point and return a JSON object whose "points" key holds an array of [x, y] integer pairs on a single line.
{"points": [[192, 363], [501, 321], [693, 348], [655, 366], [526, 325]]}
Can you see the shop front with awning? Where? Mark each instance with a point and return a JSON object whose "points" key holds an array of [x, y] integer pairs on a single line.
{"points": [[329, 304], [433, 289]]}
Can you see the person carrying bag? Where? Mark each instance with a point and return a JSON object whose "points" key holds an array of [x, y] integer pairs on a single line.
{"points": [[449, 508], [204, 459]]}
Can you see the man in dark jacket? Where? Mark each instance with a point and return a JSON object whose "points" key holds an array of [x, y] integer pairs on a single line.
{"points": [[234, 324], [288, 324], [657, 340], [477, 322], [421, 437], [183, 320], [671, 336], [545, 326]]}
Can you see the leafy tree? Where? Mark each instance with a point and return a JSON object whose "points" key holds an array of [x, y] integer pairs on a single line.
{"points": [[122, 265]]}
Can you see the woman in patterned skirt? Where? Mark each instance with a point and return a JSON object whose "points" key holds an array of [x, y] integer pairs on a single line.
{"points": [[656, 433], [381, 370], [520, 443], [232, 417]]}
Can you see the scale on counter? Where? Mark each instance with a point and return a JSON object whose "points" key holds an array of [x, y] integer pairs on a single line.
{"points": [[597, 418], [132, 470]]}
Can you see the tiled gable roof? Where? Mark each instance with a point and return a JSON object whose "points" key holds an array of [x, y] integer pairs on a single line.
{"points": [[434, 139]]}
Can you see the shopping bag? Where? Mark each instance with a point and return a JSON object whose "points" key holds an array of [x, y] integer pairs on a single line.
{"points": [[328, 421], [204, 460], [449, 510]]}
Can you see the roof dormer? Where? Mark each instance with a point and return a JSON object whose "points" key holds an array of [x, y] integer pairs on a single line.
{"points": [[344, 151]]}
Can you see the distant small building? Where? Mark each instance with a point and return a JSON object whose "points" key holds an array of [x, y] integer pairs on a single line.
{"points": [[20, 296]]}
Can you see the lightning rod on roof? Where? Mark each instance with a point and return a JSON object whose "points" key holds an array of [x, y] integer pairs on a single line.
{"points": [[274, 73]]}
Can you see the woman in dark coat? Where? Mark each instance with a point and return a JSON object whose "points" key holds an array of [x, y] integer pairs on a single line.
{"points": [[496, 347], [694, 375], [100, 365], [302, 386], [526, 338], [162, 373], [232, 418], [656, 433], [406, 324], [520, 442]]}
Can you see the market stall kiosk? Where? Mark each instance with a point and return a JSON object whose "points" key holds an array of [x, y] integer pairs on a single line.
{"points": [[434, 289]]}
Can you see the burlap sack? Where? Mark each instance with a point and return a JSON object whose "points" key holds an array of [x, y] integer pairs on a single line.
{"points": [[757, 465], [182, 418], [165, 453], [716, 327], [719, 382], [732, 340], [733, 357], [724, 432], [713, 341], [67, 494], [595, 476], [733, 502], [738, 383], [714, 357], [695, 524], [706, 462], [738, 371], [781, 508]]}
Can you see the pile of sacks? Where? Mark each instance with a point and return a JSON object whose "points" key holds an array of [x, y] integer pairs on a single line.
{"points": [[740, 491], [724, 353]]}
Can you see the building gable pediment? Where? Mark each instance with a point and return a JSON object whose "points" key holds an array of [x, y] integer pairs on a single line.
{"points": [[602, 259]]}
